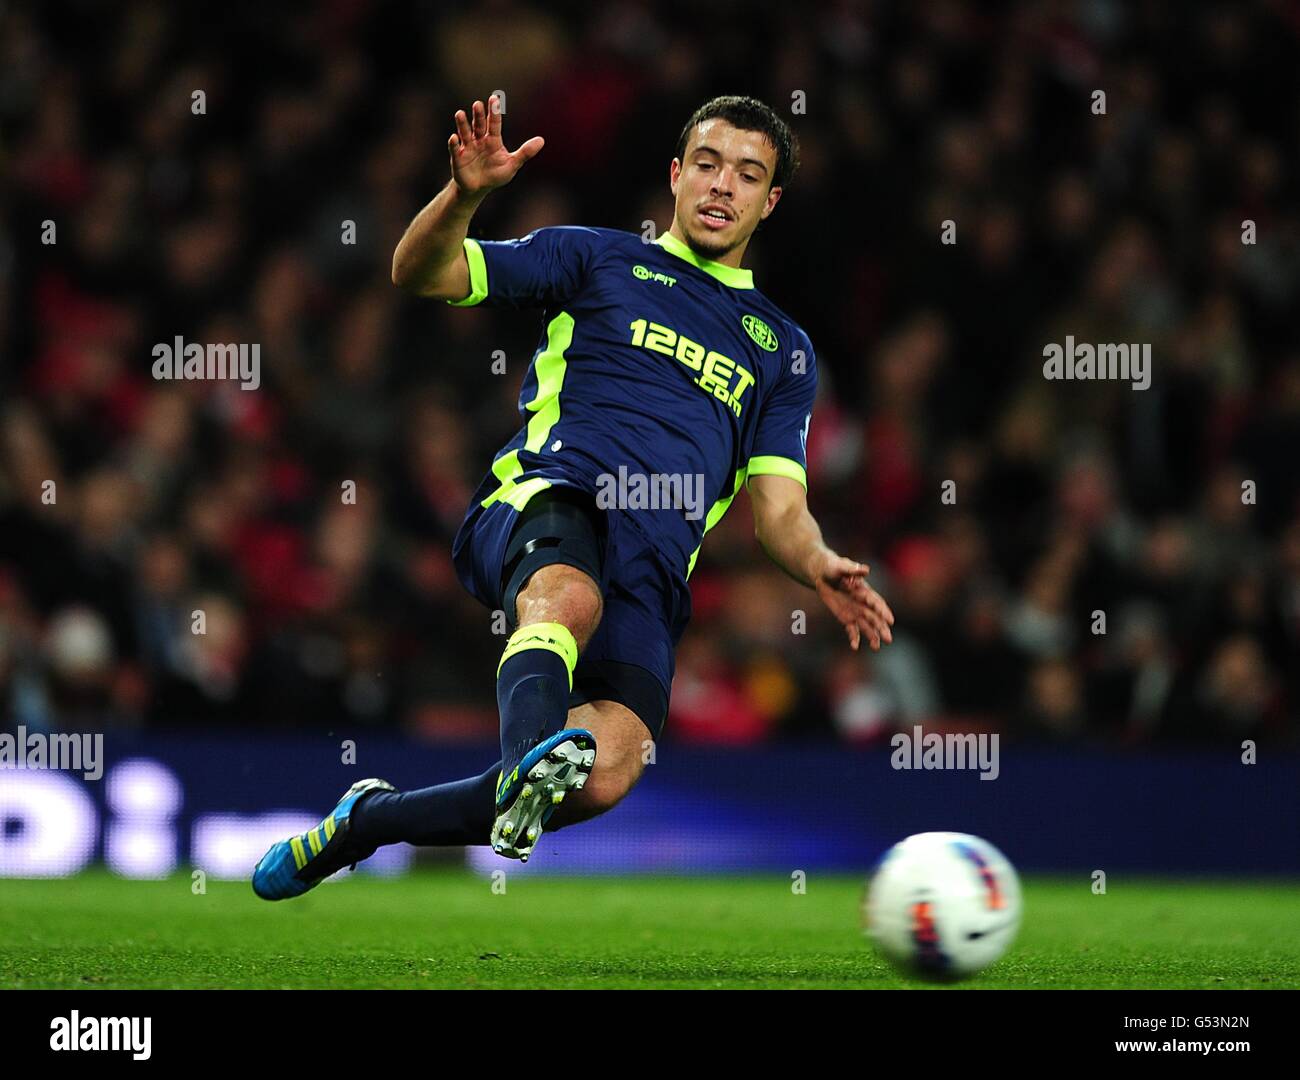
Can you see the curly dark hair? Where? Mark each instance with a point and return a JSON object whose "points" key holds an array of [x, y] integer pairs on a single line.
{"points": [[750, 114]]}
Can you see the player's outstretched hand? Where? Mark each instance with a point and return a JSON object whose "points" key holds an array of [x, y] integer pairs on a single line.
{"points": [[480, 161], [841, 583]]}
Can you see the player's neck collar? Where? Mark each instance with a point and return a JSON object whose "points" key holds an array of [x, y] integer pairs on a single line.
{"points": [[734, 276]]}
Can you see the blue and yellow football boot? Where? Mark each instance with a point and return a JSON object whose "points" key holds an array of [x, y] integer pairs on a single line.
{"points": [[527, 798], [302, 862]]}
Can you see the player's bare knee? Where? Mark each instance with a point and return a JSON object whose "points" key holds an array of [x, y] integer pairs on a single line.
{"points": [[605, 788], [604, 792], [592, 801], [563, 594]]}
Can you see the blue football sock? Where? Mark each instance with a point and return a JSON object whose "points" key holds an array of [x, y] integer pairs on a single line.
{"points": [[446, 815], [533, 683]]}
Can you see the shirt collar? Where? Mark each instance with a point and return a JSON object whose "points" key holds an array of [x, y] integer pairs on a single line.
{"points": [[734, 276]]}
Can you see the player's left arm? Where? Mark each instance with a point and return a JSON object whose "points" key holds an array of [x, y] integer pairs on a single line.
{"points": [[778, 492], [793, 540]]}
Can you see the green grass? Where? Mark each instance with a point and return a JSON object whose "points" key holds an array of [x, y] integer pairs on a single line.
{"points": [[448, 929]]}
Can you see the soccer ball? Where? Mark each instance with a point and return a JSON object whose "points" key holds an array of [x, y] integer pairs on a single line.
{"points": [[943, 905]]}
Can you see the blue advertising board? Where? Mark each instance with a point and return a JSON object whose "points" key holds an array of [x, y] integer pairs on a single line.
{"points": [[215, 802]]}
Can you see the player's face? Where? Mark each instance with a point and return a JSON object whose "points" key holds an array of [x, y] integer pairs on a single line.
{"points": [[723, 187]]}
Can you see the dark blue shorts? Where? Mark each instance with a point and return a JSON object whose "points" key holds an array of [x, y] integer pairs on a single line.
{"points": [[630, 657]]}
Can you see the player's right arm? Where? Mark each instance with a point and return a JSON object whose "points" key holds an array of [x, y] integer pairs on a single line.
{"points": [[430, 258]]}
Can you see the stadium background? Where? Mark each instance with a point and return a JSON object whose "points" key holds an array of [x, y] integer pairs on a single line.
{"points": [[328, 621]]}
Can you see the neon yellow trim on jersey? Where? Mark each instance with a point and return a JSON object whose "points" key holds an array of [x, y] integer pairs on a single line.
{"points": [[549, 367], [519, 494], [774, 465], [715, 515], [733, 276], [551, 636], [478, 283]]}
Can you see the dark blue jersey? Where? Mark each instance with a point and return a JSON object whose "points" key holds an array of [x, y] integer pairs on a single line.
{"points": [[661, 383]]}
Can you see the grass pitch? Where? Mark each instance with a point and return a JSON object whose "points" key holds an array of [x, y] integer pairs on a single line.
{"points": [[449, 929]]}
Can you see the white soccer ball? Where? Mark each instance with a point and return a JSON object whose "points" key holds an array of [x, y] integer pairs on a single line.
{"points": [[943, 905]]}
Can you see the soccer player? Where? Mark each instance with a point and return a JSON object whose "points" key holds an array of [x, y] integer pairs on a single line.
{"points": [[663, 381]]}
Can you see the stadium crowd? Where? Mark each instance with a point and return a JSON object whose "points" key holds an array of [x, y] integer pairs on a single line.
{"points": [[1067, 560]]}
